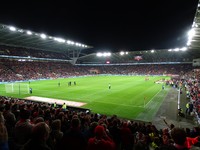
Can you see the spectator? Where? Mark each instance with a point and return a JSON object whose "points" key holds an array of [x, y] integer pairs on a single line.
{"points": [[101, 141], [73, 139], [56, 134], [40, 134], [23, 128], [3, 134], [179, 137]]}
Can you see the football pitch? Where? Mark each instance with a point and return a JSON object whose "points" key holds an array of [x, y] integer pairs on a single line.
{"points": [[129, 97]]}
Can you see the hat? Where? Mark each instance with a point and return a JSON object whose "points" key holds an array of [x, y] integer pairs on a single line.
{"points": [[99, 130]]}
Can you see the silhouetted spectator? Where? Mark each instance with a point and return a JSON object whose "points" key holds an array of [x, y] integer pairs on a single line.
{"points": [[101, 141], [40, 134]]}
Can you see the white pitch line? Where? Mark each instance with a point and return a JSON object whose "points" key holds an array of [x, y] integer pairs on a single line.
{"points": [[152, 98]]}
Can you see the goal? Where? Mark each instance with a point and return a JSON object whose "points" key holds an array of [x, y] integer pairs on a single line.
{"points": [[21, 88]]}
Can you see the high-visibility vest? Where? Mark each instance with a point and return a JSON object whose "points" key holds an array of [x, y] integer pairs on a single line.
{"points": [[54, 105], [64, 106], [187, 105]]}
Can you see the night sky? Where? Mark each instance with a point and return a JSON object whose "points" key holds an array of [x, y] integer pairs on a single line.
{"points": [[107, 25]]}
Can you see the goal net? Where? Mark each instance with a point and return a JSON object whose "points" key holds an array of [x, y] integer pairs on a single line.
{"points": [[21, 88]]}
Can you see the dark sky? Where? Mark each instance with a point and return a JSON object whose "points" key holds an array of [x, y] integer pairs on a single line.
{"points": [[111, 25]]}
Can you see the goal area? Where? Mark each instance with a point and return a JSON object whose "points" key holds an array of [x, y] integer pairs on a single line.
{"points": [[21, 88]]}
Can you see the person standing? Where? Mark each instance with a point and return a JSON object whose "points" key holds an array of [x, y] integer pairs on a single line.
{"points": [[64, 107], [109, 86], [54, 105], [187, 108], [30, 91]]}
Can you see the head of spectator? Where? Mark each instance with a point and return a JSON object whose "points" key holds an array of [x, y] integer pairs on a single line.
{"points": [[38, 119], [179, 137], [40, 131], [24, 114], [56, 125], [99, 131], [93, 125], [75, 123]]}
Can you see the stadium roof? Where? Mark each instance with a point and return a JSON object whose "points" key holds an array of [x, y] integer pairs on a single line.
{"points": [[12, 36], [194, 35]]}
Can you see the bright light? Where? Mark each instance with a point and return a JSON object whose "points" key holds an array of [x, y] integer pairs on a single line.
{"points": [[59, 40], [105, 54], [183, 48], [176, 49], [191, 33], [188, 43], [126, 53], [70, 42], [121, 53], [107, 62], [152, 51], [29, 32], [12, 29], [43, 36], [77, 44], [169, 50], [21, 31], [99, 54]]}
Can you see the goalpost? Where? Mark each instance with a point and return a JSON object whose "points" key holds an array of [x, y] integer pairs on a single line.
{"points": [[21, 88]]}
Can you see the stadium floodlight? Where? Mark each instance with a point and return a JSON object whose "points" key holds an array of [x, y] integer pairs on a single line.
{"points": [[12, 28], [105, 54], [70, 42], [99, 54], [20, 30], [191, 33], [188, 43], [126, 53], [176, 49], [121, 53], [169, 50], [29, 32], [77, 44], [59, 40], [43, 36], [152, 51], [183, 48]]}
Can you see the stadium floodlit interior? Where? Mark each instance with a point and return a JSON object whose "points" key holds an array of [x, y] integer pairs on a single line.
{"points": [[53, 95]]}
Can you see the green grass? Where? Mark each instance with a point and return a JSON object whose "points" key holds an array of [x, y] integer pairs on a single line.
{"points": [[125, 98]]}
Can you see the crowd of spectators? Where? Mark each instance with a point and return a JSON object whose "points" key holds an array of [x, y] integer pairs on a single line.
{"points": [[25, 52], [13, 70], [31, 125]]}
